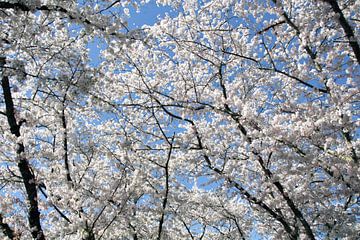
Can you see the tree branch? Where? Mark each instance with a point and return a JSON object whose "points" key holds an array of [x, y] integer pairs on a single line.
{"points": [[65, 146], [23, 165], [71, 15], [346, 27], [6, 228], [167, 176]]}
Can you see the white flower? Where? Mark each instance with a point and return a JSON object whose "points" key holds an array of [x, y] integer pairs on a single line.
{"points": [[127, 12]]}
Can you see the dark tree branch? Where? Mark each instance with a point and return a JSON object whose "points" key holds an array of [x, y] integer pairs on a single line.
{"points": [[90, 233], [55, 8], [297, 79], [167, 176], [346, 27], [297, 213], [347, 137], [265, 207], [288, 200], [297, 30], [23, 165], [239, 229], [41, 186], [113, 219], [26, 8], [187, 229], [271, 26], [6, 228], [110, 6], [65, 146]]}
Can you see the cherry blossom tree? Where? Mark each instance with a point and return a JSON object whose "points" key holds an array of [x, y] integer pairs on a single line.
{"points": [[223, 120]]}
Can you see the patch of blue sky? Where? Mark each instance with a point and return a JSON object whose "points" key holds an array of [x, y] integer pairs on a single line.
{"points": [[148, 14], [95, 47]]}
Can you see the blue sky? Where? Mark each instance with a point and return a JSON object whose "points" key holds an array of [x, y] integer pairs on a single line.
{"points": [[149, 14]]}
